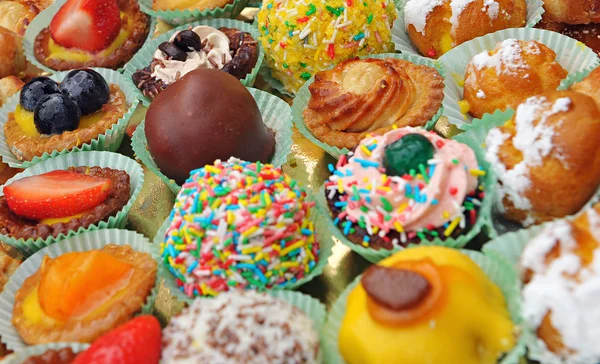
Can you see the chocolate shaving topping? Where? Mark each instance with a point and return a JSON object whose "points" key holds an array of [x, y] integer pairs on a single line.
{"points": [[396, 289]]}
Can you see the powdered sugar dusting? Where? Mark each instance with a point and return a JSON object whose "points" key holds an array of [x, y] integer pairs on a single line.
{"points": [[481, 94], [416, 12], [533, 140], [507, 56], [566, 288], [457, 7], [492, 8], [240, 327]]}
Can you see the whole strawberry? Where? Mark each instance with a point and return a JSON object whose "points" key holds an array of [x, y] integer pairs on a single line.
{"points": [[136, 342]]}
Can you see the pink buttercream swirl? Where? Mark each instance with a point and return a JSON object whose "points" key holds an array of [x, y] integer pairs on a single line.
{"points": [[412, 202]]}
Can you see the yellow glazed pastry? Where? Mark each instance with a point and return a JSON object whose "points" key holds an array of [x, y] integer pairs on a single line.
{"points": [[426, 305]]}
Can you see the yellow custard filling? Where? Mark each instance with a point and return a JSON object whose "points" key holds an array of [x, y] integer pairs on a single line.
{"points": [[76, 55], [446, 43], [24, 120]]}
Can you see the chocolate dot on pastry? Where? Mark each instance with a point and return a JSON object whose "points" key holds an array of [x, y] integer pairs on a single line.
{"points": [[396, 289], [187, 40], [205, 116]]}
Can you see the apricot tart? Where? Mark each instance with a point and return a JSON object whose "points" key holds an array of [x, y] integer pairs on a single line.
{"points": [[59, 201], [92, 33], [52, 116], [79, 296]]}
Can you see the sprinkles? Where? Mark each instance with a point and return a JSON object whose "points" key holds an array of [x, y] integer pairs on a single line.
{"points": [[387, 211], [239, 225], [310, 36]]}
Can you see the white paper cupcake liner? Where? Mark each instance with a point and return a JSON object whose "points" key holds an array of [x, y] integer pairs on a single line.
{"points": [[91, 240], [572, 55], [500, 273], [276, 114], [110, 140], [31, 351], [303, 96], [42, 21], [323, 234], [88, 159], [145, 55], [535, 9]]}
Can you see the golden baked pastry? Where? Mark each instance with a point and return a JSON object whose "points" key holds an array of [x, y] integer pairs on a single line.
{"points": [[16, 16], [358, 97], [546, 158], [589, 86], [559, 294], [8, 265], [78, 296], [189, 4], [572, 11], [26, 142], [436, 26], [507, 75], [9, 86], [12, 59]]}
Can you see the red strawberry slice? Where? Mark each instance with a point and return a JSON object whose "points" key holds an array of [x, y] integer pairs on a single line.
{"points": [[136, 342], [56, 194], [90, 25]]}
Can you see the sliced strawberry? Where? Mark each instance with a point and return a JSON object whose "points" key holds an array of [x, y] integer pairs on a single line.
{"points": [[56, 194], [90, 25], [138, 341]]}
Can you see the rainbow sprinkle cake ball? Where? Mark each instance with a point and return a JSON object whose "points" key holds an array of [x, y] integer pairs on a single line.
{"points": [[239, 225], [303, 37]]}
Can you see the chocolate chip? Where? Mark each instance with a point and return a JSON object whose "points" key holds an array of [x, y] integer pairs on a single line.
{"points": [[187, 41], [393, 288], [172, 52]]}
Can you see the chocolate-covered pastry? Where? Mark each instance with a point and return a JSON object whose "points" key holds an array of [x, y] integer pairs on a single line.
{"points": [[205, 116]]}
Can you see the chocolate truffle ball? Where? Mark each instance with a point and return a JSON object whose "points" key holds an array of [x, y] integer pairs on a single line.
{"points": [[206, 115]]}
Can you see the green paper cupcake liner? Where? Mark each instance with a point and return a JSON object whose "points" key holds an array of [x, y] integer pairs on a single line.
{"points": [[180, 17], [501, 274], [90, 240], [323, 234], [31, 351], [572, 55], [303, 96], [535, 9], [276, 115], [483, 223], [88, 159], [145, 54], [109, 141], [42, 21]]}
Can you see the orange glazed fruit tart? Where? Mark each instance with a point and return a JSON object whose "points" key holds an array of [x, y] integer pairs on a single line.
{"points": [[79, 296], [92, 33], [53, 117], [57, 202]]}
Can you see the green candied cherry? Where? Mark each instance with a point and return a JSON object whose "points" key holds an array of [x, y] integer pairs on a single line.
{"points": [[407, 153]]}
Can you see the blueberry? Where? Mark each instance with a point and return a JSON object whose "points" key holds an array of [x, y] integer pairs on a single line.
{"points": [[35, 89], [55, 114], [88, 88]]}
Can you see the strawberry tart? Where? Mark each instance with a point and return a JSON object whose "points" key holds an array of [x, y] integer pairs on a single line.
{"points": [[92, 33], [59, 201]]}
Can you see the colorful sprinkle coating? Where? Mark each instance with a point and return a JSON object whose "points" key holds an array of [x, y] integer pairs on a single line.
{"points": [[432, 200], [303, 37], [239, 225]]}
